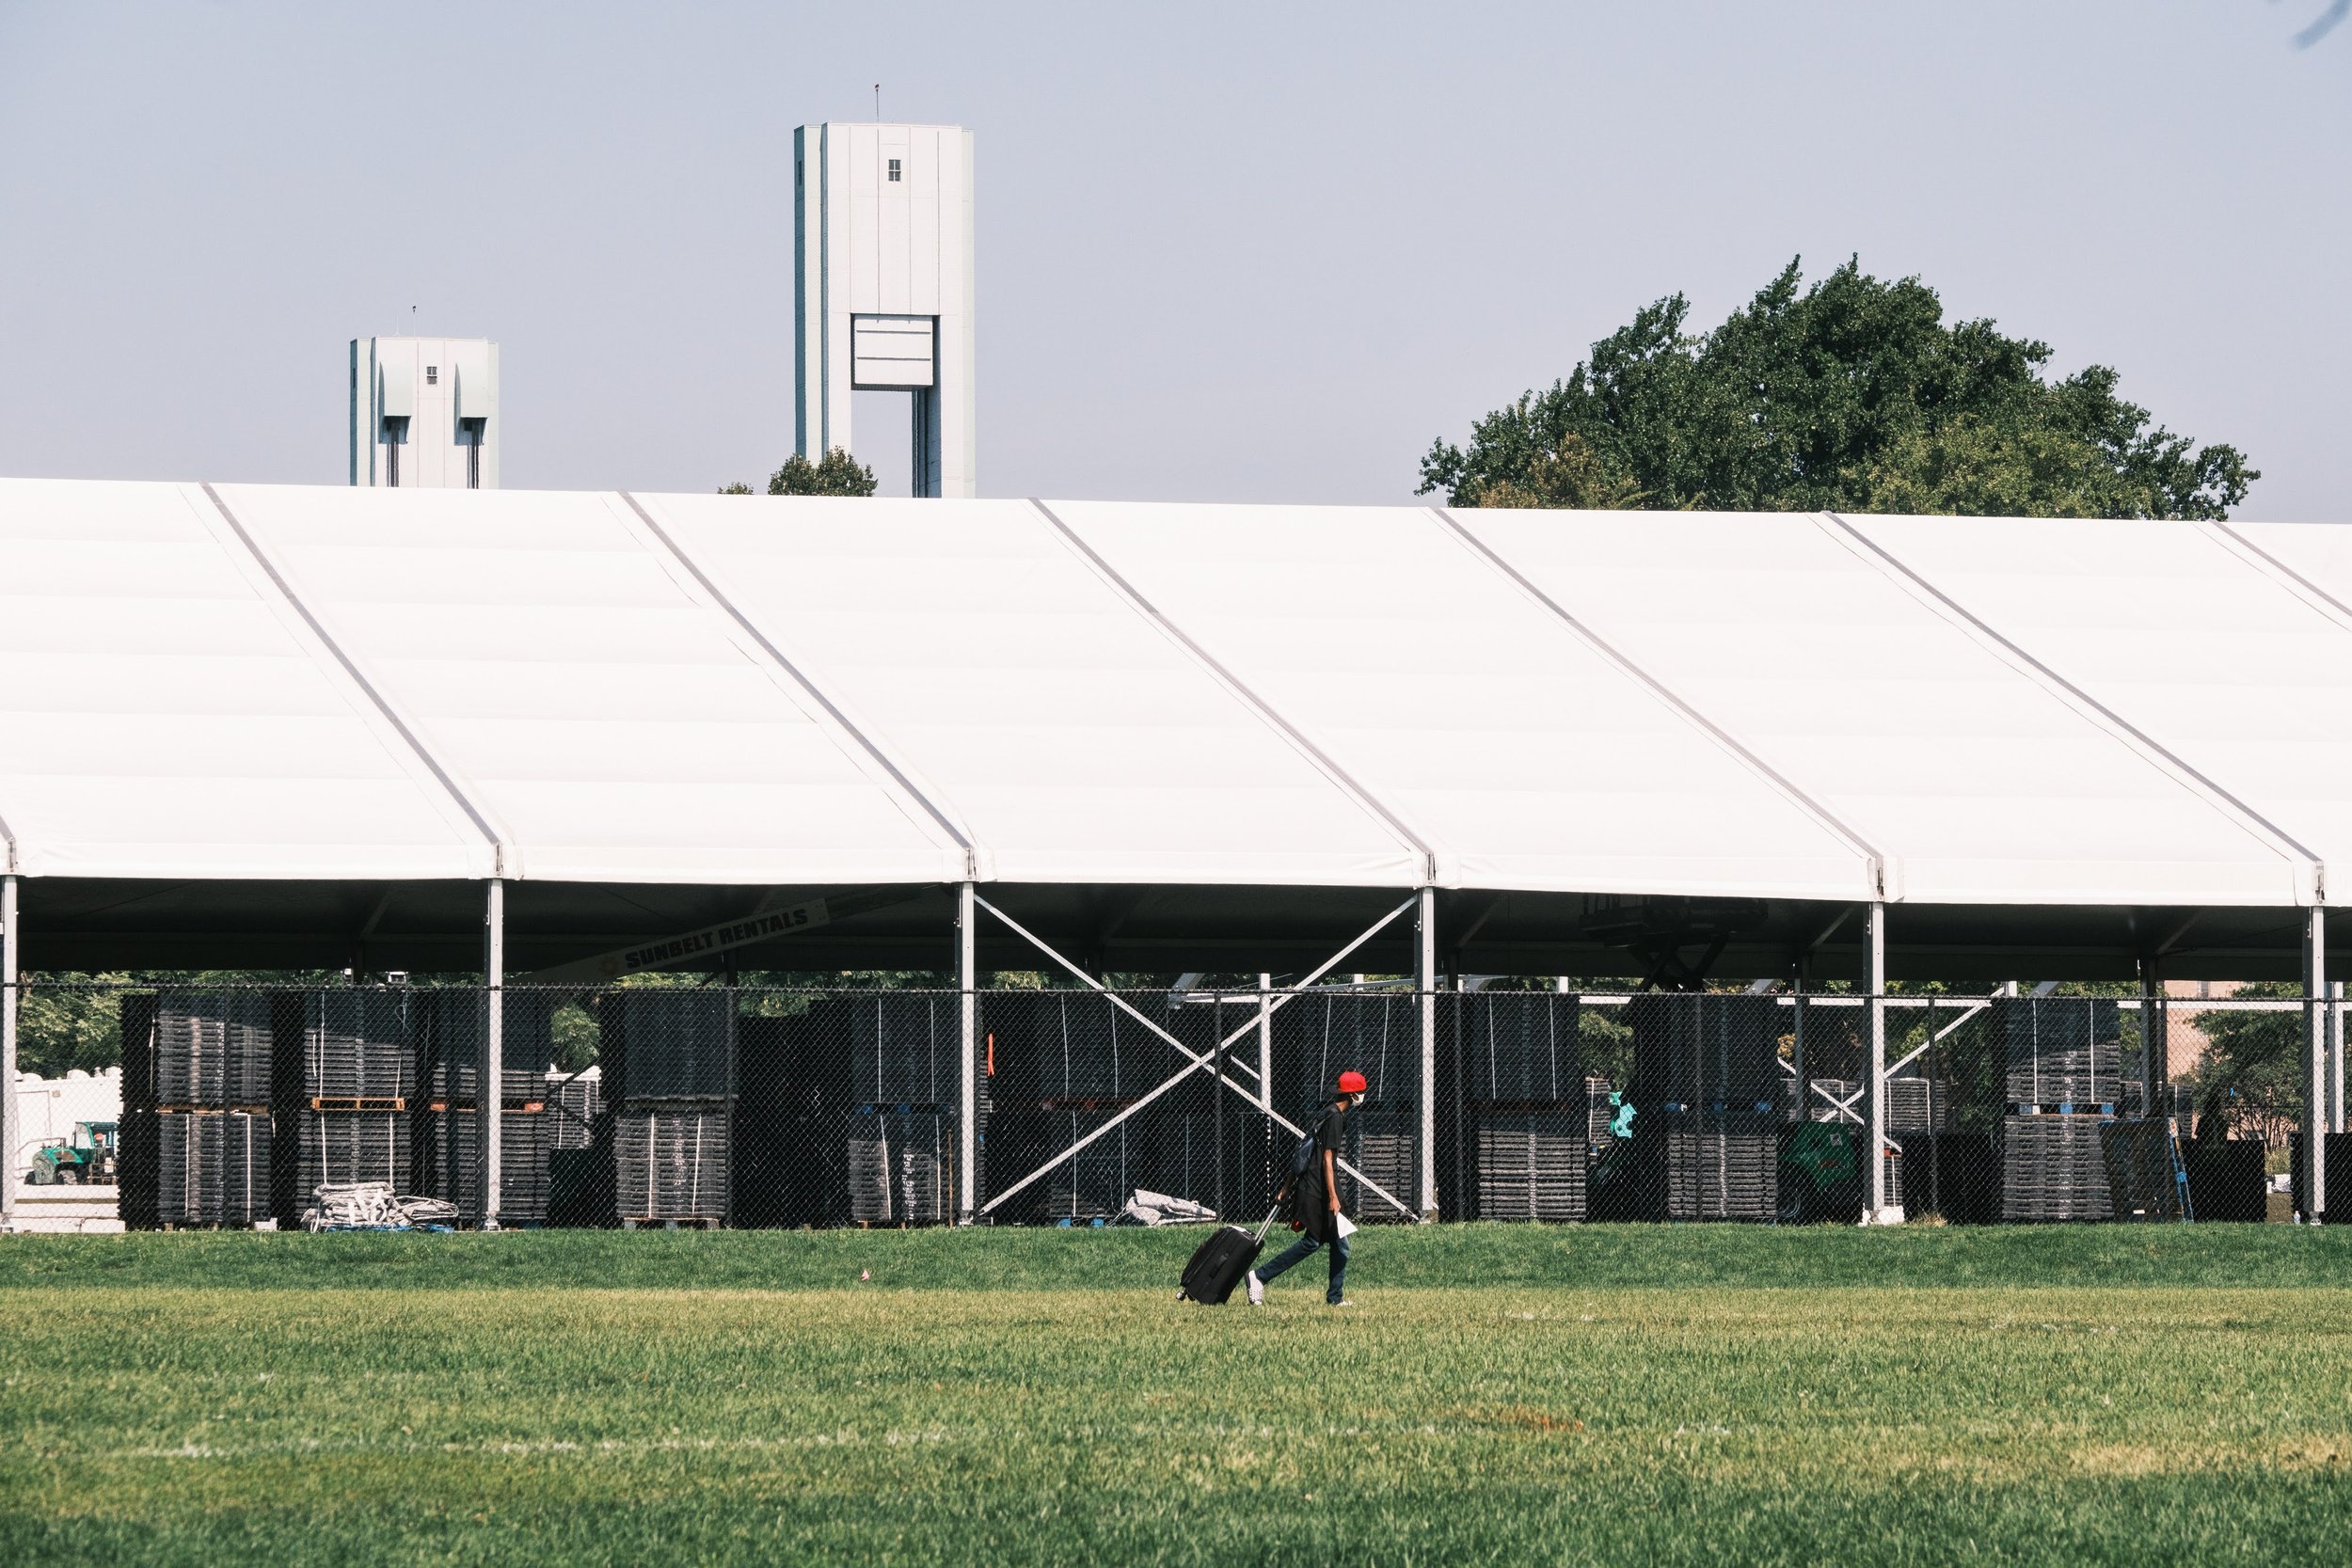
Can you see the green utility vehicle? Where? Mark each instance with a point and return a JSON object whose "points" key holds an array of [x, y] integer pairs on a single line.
{"points": [[86, 1159]]}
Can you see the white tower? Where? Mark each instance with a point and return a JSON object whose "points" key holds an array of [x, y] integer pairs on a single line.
{"points": [[424, 413], [882, 252]]}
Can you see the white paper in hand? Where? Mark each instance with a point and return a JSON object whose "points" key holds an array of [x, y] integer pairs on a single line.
{"points": [[1346, 1226]]}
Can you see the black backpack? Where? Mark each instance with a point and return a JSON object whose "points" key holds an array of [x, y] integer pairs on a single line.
{"points": [[1303, 1157]]}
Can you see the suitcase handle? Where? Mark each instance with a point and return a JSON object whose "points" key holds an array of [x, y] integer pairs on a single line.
{"points": [[1269, 1223]]}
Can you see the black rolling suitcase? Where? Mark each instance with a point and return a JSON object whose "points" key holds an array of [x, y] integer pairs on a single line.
{"points": [[1219, 1263]]}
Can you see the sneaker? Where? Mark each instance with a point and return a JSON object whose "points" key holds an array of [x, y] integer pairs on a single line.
{"points": [[1257, 1289], [1342, 1303]]}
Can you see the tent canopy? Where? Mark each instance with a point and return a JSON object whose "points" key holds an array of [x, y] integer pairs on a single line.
{"points": [[282, 684]]}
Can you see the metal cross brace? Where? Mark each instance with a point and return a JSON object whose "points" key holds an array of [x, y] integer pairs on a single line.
{"points": [[1968, 1010], [1843, 1107], [1196, 1062]]}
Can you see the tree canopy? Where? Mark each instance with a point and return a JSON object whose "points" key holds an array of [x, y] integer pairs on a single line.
{"points": [[1851, 395], [836, 474]]}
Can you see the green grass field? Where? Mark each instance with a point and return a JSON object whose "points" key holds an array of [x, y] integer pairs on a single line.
{"points": [[1500, 1395]]}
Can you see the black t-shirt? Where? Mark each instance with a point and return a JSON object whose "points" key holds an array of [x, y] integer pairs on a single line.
{"points": [[1331, 1135], [1313, 1201]]}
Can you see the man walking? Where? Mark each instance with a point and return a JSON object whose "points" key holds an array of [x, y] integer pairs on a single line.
{"points": [[1314, 1200]]}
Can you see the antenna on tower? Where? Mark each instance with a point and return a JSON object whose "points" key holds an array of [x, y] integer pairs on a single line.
{"points": [[877, 103]]}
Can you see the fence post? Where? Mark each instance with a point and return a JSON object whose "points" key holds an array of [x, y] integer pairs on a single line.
{"points": [[493, 1101], [1266, 1069], [2335, 1056], [968, 1073], [1874, 1120], [12, 955], [1424, 985], [1796, 1039], [2313, 1199]]}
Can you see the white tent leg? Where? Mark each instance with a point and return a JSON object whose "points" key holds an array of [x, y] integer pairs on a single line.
{"points": [[2313, 1199], [1426, 985], [493, 1101], [1880, 1209], [11, 953], [968, 1075]]}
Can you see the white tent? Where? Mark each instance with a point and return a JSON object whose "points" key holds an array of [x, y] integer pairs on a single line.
{"points": [[2025, 734], [250, 682]]}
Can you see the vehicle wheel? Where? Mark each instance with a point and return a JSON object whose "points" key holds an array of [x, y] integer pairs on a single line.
{"points": [[69, 1177]]}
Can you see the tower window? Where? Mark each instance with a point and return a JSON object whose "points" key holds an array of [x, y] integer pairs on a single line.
{"points": [[432, 374], [894, 171]]}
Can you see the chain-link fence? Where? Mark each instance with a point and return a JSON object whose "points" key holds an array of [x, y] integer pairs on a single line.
{"points": [[715, 1105]]}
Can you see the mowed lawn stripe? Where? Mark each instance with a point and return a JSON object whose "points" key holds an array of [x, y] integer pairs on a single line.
{"points": [[1126, 1258], [1435, 1423]]}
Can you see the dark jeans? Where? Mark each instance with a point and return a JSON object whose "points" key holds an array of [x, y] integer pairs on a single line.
{"points": [[1298, 1252]]}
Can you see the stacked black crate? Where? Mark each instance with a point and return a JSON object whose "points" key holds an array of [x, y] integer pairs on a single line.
{"points": [[1917, 1104], [1064, 1065], [1707, 1090], [445, 1130], [1528, 1105], [903, 1086], [2146, 1179], [2062, 1057], [344, 1079], [668, 1060], [195, 1118], [792, 1113], [1199, 1142], [575, 1100], [1379, 1034]]}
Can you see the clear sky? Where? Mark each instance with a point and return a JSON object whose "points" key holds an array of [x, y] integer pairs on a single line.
{"points": [[1259, 251]]}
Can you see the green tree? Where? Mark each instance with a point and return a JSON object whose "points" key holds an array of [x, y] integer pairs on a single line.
{"points": [[1853, 394], [737, 488], [2251, 1071], [836, 474], [64, 1026]]}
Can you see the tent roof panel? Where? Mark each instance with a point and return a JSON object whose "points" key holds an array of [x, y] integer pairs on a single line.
{"points": [[163, 713], [1526, 758], [2167, 626], [1079, 739], [559, 665], [1948, 756]]}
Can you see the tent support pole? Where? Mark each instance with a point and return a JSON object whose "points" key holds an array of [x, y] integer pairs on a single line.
{"points": [[1425, 987], [11, 960], [1881, 1209], [492, 1104], [968, 1075], [2152, 1039], [2313, 1199]]}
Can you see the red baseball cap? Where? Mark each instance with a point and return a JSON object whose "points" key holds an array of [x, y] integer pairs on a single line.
{"points": [[1352, 1081]]}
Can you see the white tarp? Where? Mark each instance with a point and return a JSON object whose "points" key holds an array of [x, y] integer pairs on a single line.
{"points": [[1079, 741], [1980, 785], [2163, 626], [1522, 756], [164, 713], [574, 689], [753, 690]]}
